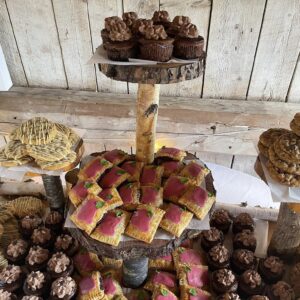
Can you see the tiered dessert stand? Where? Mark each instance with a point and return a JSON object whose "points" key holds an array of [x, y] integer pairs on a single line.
{"points": [[135, 254]]}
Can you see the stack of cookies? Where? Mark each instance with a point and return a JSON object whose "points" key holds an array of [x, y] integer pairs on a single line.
{"points": [[282, 148], [49, 144]]}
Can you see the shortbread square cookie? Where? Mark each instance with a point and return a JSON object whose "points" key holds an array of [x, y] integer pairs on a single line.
{"points": [[134, 168], [130, 195], [162, 293], [195, 172], [144, 223], [175, 187], [90, 287], [80, 191], [111, 197], [112, 263], [175, 220], [115, 156], [172, 153], [195, 276], [111, 227], [94, 169], [186, 256], [151, 175], [152, 195], [89, 213], [198, 201], [157, 278], [172, 167], [113, 178], [162, 263]]}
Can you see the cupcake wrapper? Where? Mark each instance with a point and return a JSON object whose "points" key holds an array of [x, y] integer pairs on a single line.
{"points": [[156, 52], [122, 53], [188, 50]]}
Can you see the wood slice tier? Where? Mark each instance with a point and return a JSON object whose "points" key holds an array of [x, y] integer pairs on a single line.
{"points": [[163, 73], [136, 249]]}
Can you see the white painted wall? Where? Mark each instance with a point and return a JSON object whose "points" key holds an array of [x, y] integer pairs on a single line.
{"points": [[5, 80]]}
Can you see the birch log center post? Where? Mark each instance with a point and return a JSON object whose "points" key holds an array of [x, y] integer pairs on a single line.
{"points": [[148, 78]]}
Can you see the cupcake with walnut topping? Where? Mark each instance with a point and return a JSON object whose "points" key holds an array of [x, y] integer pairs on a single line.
{"points": [[32, 297], [139, 26], [67, 244], [108, 24], [5, 295], [36, 284], [161, 17], [156, 45], [29, 223], [11, 278], [176, 24], [129, 18], [16, 251], [54, 220], [188, 44], [43, 237], [60, 265], [37, 258], [63, 288]]}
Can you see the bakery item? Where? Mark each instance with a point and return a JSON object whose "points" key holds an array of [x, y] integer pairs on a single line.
{"points": [[295, 127], [241, 222], [111, 197], [162, 293], [5, 295], [11, 162], [172, 167], [271, 269], [29, 223], [250, 283], [36, 284], [138, 294], [176, 24], [113, 178], [60, 265], [221, 219], [15, 150], [11, 278], [268, 137], [280, 291], [167, 279], [152, 195], [63, 288], [139, 26], [245, 240], [115, 156], [69, 159], [108, 25], [294, 276], [43, 237], [198, 201], [287, 147], [67, 244], [195, 172], [129, 18], [54, 220], [86, 262], [155, 44], [90, 287], [37, 258], [259, 297], [186, 256], [242, 260], [151, 175], [130, 195], [144, 223], [162, 263], [229, 296], [175, 187], [223, 281], [188, 43], [170, 153], [161, 17], [112, 262], [111, 287], [134, 169], [211, 238], [16, 251], [263, 149], [111, 227], [190, 293], [195, 276], [218, 257]]}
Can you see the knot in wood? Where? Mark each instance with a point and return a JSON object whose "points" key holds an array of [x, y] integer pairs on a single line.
{"points": [[152, 109]]}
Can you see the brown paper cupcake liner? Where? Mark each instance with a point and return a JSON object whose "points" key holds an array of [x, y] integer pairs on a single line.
{"points": [[119, 52], [188, 49], [156, 51]]}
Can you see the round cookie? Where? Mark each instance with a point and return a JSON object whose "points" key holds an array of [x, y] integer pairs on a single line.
{"points": [[295, 128], [263, 149], [297, 119], [282, 177], [288, 167], [15, 149], [267, 138], [287, 147]]}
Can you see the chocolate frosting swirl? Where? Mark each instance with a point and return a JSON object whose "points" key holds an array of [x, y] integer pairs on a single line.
{"points": [[37, 255], [251, 278], [63, 287], [213, 234], [54, 217], [188, 31], [10, 274], [160, 16], [274, 264], [59, 262], [111, 21], [120, 32], [140, 25], [31, 222], [129, 18], [41, 235], [35, 280], [219, 253], [155, 32], [63, 242], [221, 216], [244, 256], [4, 295], [246, 237], [224, 277], [17, 248]]}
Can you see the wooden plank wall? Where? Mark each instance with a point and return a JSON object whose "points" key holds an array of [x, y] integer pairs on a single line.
{"points": [[252, 46]]}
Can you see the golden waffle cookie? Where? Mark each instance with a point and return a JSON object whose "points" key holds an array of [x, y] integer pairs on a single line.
{"points": [[27, 205], [292, 168], [59, 164], [58, 149], [287, 147], [73, 137], [10, 162], [283, 177], [37, 131], [267, 138], [15, 149], [295, 127], [263, 149]]}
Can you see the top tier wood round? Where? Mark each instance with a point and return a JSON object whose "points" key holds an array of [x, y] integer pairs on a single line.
{"points": [[163, 73]]}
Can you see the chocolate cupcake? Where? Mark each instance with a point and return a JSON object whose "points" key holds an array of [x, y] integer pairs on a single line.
{"points": [[188, 43], [155, 45], [250, 283], [16, 251], [11, 278], [67, 244], [36, 284], [63, 288], [129, 18], [271, 269], [29, 223], [211, 238], [54, 221], [221, 219], [5, 295], [241, 222], [280, 291], [258, 297], [60, 265], [176, 24], [139, 26], [223, 281], [43, 237], [294, 276], [120, 46], [229, 296], [245, 240], [242, 260], [108, 24], [218, 257], [32, 297], [161, 17], [37, 258]]}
